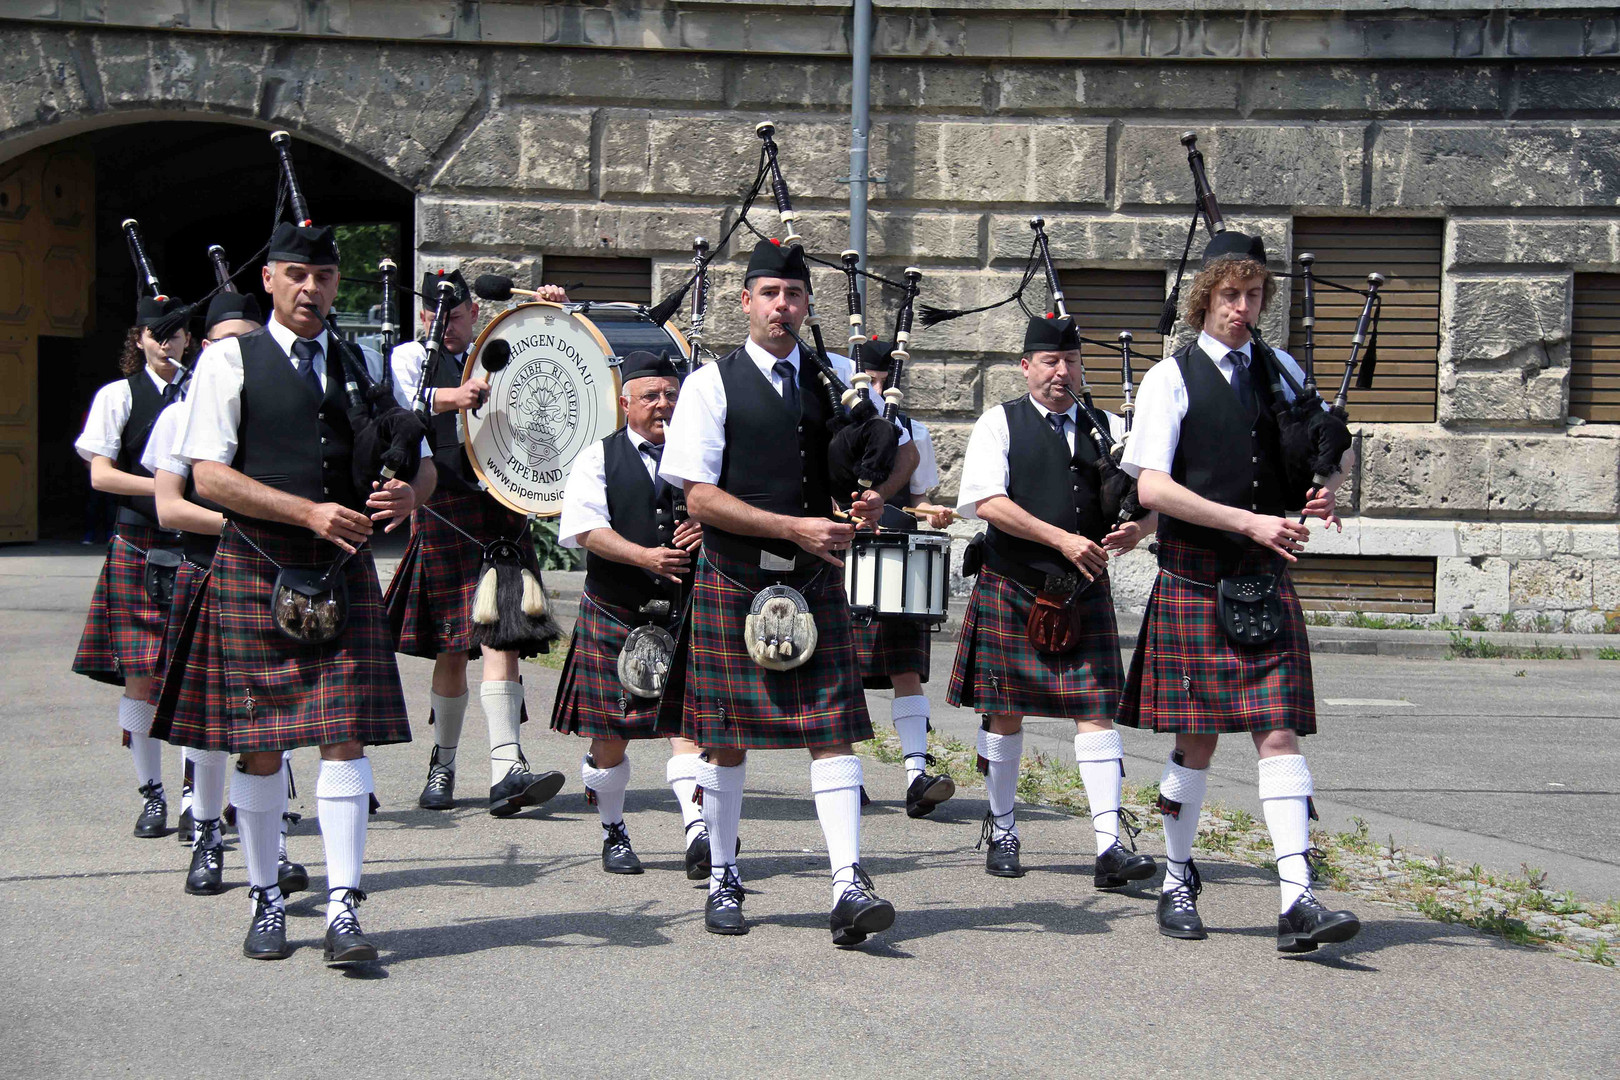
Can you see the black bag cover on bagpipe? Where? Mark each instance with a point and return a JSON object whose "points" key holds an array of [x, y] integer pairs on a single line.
{"points": [[861, 455], [1312, 439]]}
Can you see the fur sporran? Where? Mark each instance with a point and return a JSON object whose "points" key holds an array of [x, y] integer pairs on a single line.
{"points": [[310, 606], [779, 630], [644, 660], [510, 611]]}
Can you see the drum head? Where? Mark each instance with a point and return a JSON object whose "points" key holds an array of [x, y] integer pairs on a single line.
{"points": [[557, 394]]}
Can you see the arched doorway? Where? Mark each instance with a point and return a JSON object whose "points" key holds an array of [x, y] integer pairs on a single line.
{"points": [[189, 184]]}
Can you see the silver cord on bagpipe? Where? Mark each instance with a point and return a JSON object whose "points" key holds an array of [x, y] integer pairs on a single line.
{"points": [[282, 141], [700, 300], [386, 271], [1203, 193], [137, 255], [901, 355]]}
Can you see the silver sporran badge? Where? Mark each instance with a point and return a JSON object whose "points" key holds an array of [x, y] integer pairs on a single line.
{"points": [[779, 631], [644, 661]]}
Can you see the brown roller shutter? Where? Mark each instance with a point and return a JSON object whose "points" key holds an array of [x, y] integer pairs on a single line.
{"points": [[1407, 252], [1594, 353], [1364, 583], [1104, 302], [604, 278]]}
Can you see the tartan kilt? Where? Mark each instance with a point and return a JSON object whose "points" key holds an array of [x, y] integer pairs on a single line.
{"points": [[1186, 675], [186, 580], [245, 688], [430, 600], [590, 699], [997, 670], [718, 697], [889, 647], [123, 633]]}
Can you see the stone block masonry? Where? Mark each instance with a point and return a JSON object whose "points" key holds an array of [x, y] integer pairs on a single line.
{"points": [[619, 129]]}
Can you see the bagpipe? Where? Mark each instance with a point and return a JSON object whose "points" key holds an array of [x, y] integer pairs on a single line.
{"points": [[172, 321], [1311, 436]]}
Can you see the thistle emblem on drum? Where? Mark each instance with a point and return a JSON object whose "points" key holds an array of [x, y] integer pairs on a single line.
{"points": [[543, 408]]}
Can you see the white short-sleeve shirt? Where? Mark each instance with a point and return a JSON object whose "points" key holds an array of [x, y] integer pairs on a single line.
{"points": [[585, 505], [211, 422], [159, 453], [103, 434], [695, 437], [1161, 405], [926, 476], [985, 472]]}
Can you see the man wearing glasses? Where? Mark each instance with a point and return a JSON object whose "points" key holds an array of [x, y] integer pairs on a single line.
{"points": [[639, 548]]}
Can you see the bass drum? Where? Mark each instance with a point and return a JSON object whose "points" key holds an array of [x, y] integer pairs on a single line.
{"points": [[553, 374]]}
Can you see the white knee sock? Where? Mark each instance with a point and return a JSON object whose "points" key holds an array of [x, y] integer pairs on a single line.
{"points": [[609, 786], [681, 772], [836, 783], [503, 708], [341, 803], [1003, 752], [911, 724], [722, 813], [448, 713], [260, 801], [1185, 786], [1285, 791], [135, 717], [1101, 757], [208, 769]]}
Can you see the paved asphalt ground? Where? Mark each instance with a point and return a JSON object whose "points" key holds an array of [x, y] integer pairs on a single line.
{"points": [[506, 950]]}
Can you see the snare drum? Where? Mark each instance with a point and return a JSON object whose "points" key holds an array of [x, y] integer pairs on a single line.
{"points": [[556, 393], [890, 575]]}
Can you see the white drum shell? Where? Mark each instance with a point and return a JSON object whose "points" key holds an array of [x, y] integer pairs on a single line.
{"points": [[899, 575]]}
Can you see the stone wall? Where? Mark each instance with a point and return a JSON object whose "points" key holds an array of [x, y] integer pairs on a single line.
{"points": [[1502, 120]]}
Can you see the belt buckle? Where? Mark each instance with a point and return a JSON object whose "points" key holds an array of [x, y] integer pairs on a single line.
{"points": [[771, 561]]}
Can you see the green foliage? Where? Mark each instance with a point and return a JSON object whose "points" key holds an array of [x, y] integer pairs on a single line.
{"points": [[553, 556], [1608, 652], [360, 249]]}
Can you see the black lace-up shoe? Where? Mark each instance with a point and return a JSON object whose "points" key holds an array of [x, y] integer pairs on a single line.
{"points": [[697, 852], [345, 944], [291, 876], [928, 791], [267, 934], [439, 793], [618, 857], [520, 788], [1307, 924], [723, 913], [1117, 867], [154, 819], [185, 828], [860, 912], [1000, 850], [1178, 908], [207, 874]]}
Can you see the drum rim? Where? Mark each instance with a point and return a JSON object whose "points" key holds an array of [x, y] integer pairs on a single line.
{"points": [[472, 358]]}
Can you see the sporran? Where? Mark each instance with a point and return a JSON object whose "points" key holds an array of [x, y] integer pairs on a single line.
{"points": [[645, 659], [1250, 608], [779, 630], [162, 564]]}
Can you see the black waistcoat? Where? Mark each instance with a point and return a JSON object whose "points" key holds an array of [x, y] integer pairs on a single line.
{"points": [[773, 460], [1049, 482], [902, 498], [288, 438], [448, 456], [636, 515], [145, 404], [1226, 453]]}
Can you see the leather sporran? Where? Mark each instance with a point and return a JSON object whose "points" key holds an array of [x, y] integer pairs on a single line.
{"points": [[1250, 608], [310, 606], [779, 631], [162, 566], [1053, 626]]}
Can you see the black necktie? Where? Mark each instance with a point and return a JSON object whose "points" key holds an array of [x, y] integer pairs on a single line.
{"points": [[306, 350], [790, 384], [171, 390], [657, 454], [1241, 388], [1057, 420]]}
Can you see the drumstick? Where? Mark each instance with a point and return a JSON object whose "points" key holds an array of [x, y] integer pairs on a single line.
{"points": [[919, 513]]}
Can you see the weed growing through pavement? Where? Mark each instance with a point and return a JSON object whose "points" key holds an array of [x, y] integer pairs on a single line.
{"points": [[1517, 908]]}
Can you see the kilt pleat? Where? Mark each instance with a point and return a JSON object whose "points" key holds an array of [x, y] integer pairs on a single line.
{"points": [[718, 697], [998, 671], [1187, 676], [123, 632], [186, 580], [889, 647], [590, 699], [429, 601], [244, 687]]}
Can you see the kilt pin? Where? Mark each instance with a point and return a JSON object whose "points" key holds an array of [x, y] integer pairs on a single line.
{"points": [[997, 670], [718, 697], [124, 630], [245, 687], [1186, 676]]}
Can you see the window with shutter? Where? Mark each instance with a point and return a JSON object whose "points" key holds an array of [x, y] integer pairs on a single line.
{"points": [[1594, 352], [1104, 302], [1364, 583], [1407, 251], [604, 278]]}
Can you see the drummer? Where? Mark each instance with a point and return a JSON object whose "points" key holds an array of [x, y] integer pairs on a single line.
{"points": [[431, 597], [893, 653]]}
